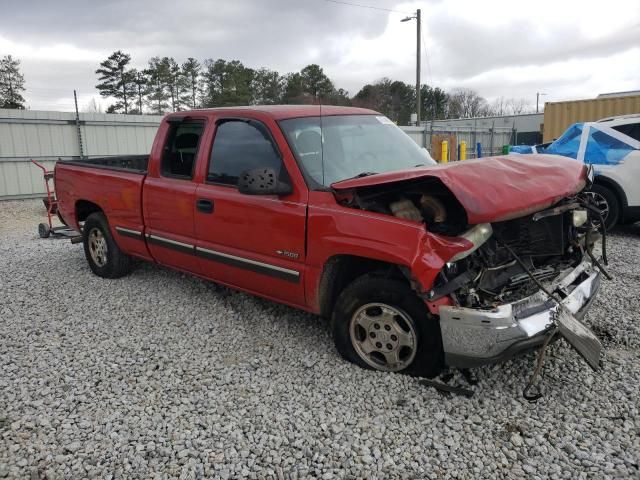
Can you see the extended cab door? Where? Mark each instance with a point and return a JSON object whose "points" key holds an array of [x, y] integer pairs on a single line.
{"points": [[252, 242], [169, 194]]}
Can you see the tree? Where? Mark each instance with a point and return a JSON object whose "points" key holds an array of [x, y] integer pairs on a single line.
{"points": [[267, 87], [434, 103], [518, 106], [315, 82], [498, 107], [92, 106], [466, 103], [141, 85], [157, 74], [226, 83], [11, 83], [191, 73], [394, 98], [340, 97], [175, 82], [294, 92], [116, 81]]}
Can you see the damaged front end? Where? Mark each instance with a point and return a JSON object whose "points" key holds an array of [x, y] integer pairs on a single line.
{"points": [[504, 265], [523, 278]]}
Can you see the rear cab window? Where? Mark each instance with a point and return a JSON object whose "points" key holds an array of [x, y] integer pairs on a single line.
{"points": [[181, 148]]}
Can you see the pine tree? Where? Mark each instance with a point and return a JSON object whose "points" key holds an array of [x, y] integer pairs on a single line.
{"points": [[140, 84], [294, 90], [226, 83], [173, 81], [157, 78], [315, 82], [11, 83], [191, 73], [117, 81], [267, 87]]}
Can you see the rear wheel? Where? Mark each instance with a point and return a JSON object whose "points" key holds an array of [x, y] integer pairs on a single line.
{"points": [[103, 255], [381, 324], [607, 202]]}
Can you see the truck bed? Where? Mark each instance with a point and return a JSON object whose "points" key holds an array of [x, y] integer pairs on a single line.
{"points": [[130, 163], [110, 184]]}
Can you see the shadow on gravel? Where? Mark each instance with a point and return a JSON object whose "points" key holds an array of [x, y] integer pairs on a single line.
{"points": [[630, 229]]}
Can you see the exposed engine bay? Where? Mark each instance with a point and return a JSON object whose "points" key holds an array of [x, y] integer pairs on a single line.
{"points": [[438, 208], [509, 259], [500, 270]]}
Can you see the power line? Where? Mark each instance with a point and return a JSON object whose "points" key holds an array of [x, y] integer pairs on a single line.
{"points": [[371, 7], [426, 58]]}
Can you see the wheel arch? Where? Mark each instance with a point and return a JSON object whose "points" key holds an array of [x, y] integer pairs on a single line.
{"points": [[342, 269], [84, 208], [615, 187]]}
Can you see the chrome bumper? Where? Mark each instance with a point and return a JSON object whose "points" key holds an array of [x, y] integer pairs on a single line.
{"points": [[473, 337]]}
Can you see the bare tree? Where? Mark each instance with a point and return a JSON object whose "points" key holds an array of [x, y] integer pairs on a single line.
{"points": [[518, 106], [92, 107], [499, 107], [466, 103]]}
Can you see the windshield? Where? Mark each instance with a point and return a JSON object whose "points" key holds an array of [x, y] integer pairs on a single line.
{"points": [[346, 146]]}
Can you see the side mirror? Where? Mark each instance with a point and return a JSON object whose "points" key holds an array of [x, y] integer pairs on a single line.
{"points": [[262, 181]]}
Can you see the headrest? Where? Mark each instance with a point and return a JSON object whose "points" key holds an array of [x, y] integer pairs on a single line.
{"points": [[187, 140], [309, 141]]}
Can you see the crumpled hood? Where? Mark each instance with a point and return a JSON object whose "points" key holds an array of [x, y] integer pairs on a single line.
{"points": [[494, 189]]}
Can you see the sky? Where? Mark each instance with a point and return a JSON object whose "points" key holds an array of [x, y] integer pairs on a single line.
{"points": [[565, 49]]}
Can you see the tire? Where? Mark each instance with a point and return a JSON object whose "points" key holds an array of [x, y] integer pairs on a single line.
{"points": [[103, 255], [43, 230], [398, 308], [608, 199]]}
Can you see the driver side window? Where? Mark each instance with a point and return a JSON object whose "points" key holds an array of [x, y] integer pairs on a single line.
{"points": [[241, 145]]}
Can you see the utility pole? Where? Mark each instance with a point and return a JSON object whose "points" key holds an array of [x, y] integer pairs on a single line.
{"points": [[418, 38], [418, 19], [75, 99], [538, 94]]}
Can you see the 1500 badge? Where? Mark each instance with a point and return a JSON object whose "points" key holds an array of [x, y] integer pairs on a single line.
{"points": [[287, 253]]}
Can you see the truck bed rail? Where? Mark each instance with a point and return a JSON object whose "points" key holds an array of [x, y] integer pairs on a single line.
{"points": [[129, 163]]}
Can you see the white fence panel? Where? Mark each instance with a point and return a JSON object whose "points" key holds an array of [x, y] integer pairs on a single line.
{"points": [[47, 136]]}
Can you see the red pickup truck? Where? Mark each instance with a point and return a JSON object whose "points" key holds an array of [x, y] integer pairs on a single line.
{"points": [[338, 212]]}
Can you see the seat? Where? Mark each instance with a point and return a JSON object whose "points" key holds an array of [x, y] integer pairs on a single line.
{"points": [[185, 147]]}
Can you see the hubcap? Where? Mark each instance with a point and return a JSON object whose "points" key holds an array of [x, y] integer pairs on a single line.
{"points": [[98, 247], [600, 203], [383, 336]]}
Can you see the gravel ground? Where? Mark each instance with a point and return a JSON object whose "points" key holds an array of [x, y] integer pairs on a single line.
{"points": [[161, 375]]}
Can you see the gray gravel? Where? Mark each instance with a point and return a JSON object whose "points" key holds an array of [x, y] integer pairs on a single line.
{"points": [[161, 375]]}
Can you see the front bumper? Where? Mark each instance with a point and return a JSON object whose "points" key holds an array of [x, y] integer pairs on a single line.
{"points": [[473, 337]]}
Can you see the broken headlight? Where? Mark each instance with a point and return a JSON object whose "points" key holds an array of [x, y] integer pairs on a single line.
{"points": [[477, 235]]}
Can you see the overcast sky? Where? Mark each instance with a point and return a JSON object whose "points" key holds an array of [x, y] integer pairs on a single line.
{"points": [[566, 49]]}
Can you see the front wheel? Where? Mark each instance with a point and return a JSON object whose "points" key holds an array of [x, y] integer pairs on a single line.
{"points": [[103, 255], [380, 323]]}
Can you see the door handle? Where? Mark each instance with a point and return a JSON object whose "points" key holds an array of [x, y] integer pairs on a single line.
{"points": [[204, 205]]}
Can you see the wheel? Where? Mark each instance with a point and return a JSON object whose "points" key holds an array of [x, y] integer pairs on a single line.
{"points": [[43, 230], [381, 324], [103, 255], [607, 202]]}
